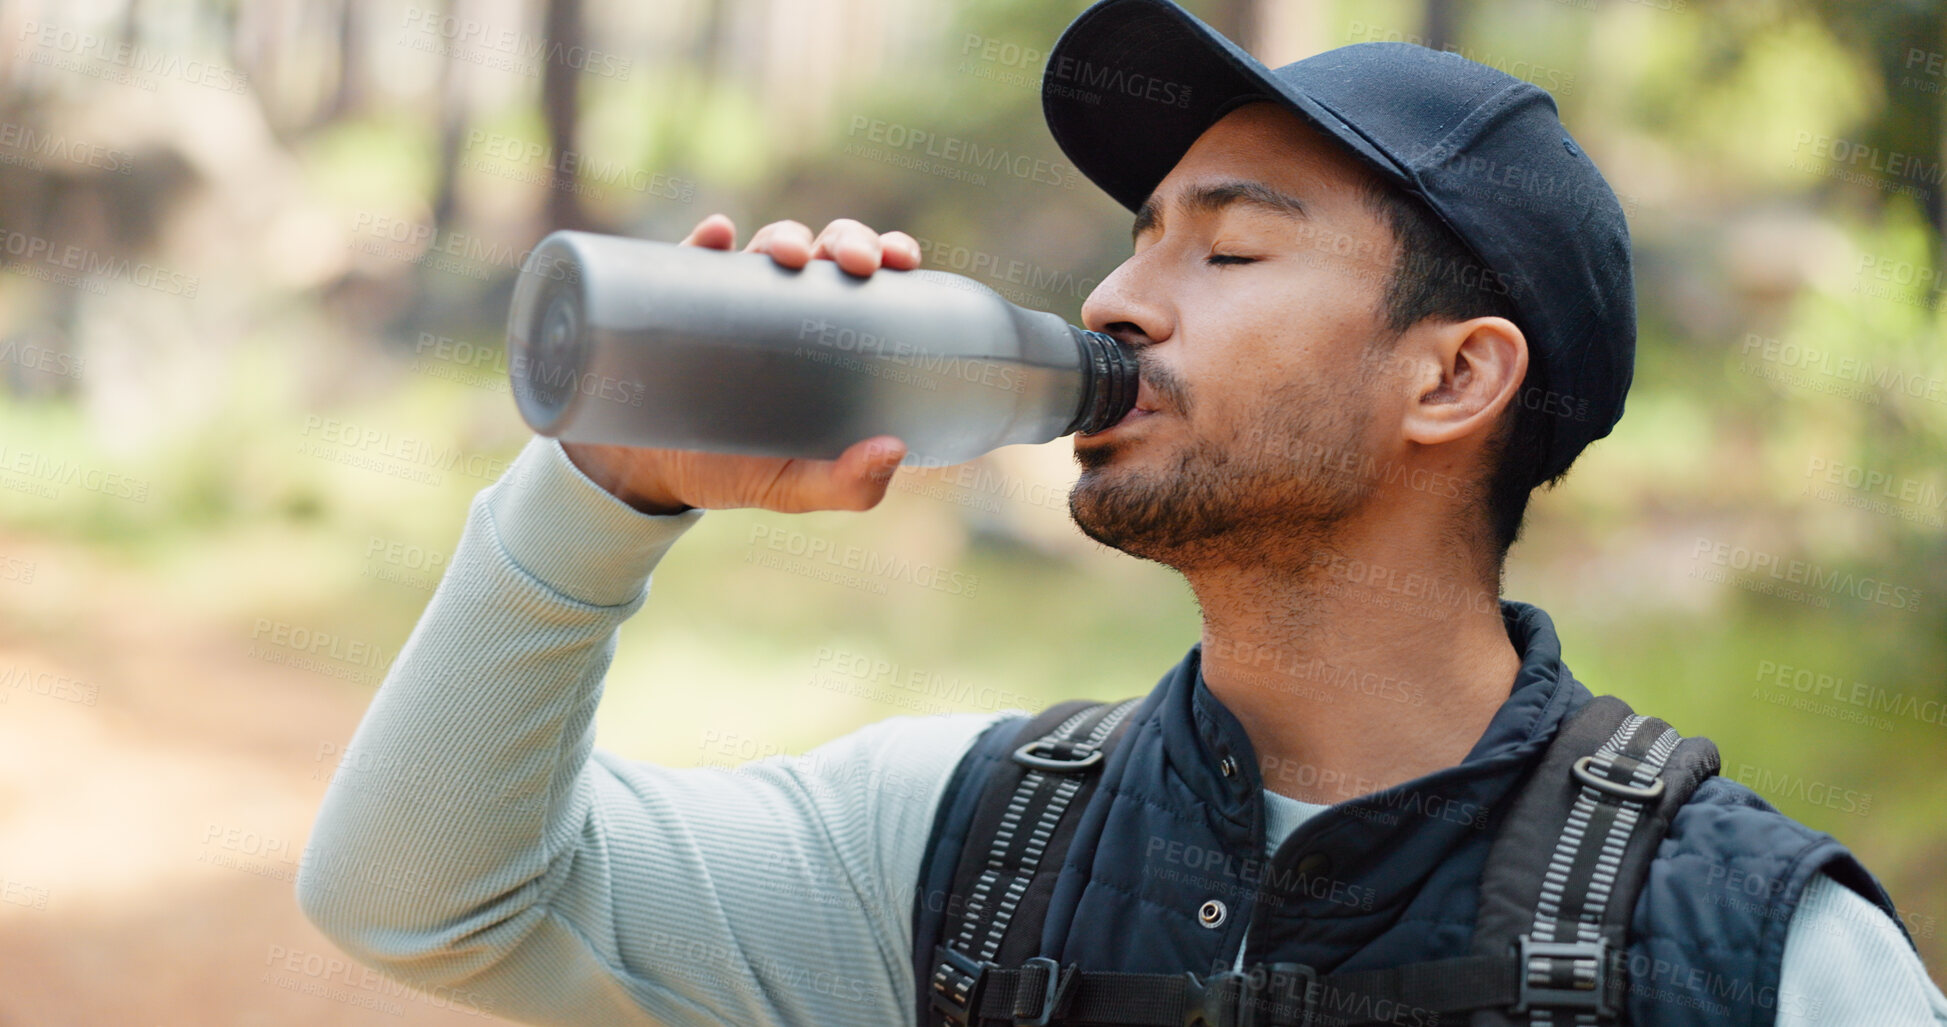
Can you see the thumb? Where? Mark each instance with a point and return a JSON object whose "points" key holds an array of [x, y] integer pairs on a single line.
{"points": [[864, 471]]}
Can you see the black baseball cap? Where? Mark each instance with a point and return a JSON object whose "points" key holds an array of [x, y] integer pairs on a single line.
{"points": [[1131, 84]]}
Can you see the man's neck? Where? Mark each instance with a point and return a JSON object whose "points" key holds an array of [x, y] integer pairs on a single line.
{"points": [[1365, 666]]}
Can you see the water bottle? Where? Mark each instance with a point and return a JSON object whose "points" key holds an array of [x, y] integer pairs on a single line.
{"points": [[640, 343]]}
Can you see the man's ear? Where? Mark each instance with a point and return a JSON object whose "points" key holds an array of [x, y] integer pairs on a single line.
{"points": [[1465, 373]]}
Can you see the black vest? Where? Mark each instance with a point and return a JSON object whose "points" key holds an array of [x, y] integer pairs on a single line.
{"points": [[1388, 878]]}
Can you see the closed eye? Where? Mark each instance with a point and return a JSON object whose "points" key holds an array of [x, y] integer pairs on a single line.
{"points": [[1226, 259]]}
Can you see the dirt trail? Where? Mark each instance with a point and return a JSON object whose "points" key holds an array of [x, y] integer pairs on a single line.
{"points": [[157, 785]]}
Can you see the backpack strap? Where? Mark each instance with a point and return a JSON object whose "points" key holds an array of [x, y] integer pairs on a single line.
{"points": [[1013, 851], [1566, 866], [1549, 942]]}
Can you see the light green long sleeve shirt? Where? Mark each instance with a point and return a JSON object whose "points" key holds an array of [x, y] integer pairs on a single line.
{"points": [[474, 843]]}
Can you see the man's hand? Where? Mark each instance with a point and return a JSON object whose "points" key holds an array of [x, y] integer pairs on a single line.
{"points": [[669, 481]]}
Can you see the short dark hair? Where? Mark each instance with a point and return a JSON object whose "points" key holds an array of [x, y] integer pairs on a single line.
{"points": [[1434, 274]]}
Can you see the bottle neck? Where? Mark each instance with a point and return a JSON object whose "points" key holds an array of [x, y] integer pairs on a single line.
{"points": [[1108, 381]]}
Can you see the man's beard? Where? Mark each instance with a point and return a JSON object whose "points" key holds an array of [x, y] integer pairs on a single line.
{"points": [[1269, 494]]}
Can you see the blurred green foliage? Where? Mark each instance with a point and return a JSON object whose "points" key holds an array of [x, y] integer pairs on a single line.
{"points": [[1705, 118]]}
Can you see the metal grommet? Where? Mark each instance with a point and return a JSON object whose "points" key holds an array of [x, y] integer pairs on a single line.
{"points": [[1228, 766], [1212, 913]]}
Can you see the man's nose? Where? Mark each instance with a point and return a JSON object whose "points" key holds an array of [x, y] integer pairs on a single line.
{"points": [[1129, 305]]}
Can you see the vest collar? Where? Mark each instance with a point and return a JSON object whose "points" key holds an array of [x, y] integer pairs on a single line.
{"points": [[1417, 817], [1199, 731]]}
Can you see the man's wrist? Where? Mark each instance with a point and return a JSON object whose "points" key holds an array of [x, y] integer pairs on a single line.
{"points": [[581, 540], [601, 466]]}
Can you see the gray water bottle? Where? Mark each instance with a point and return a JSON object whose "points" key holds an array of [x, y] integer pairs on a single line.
{"points": [[640, 343]]}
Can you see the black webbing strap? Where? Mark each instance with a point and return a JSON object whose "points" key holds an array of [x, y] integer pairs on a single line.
{"points": [[1054, 773], [1277, 995], [1597, 806]]}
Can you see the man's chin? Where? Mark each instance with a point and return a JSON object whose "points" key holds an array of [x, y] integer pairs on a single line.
{"points": [[1127, 509]]}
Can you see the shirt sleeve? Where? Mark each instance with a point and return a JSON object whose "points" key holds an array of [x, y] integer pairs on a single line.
{"points": [[1847, 964], [473, 843]]}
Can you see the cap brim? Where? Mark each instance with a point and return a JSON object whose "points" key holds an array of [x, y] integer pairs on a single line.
{"points": [[1131, 85]]}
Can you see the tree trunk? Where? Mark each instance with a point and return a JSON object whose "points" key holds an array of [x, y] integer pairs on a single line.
{"points": [[1236, 19], [351, 65], [453, 116], [1441, 24], [560, 93]]}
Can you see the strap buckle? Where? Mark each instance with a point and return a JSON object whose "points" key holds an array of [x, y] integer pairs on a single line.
{"points": [[1579, 975], [1057, 756], [1584, 771], [1266, 995], [1031, 1010], [956, 982]]}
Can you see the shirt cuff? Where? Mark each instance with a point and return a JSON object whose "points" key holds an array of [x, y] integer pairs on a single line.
{"points": [[573, 535]]}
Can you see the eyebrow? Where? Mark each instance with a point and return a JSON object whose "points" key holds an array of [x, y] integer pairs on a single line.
{"points": [[1210, 199]]}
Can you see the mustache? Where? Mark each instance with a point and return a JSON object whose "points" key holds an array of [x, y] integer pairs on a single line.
{"points": [[1173, 390]]}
